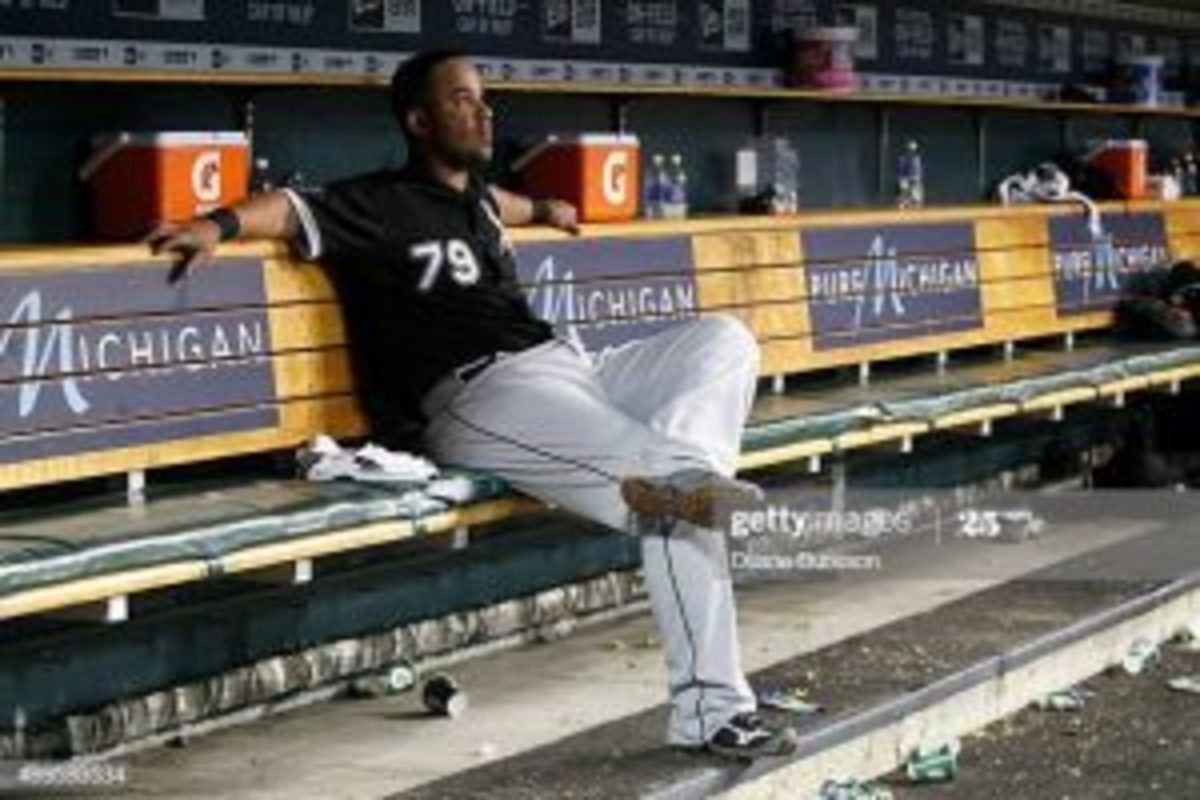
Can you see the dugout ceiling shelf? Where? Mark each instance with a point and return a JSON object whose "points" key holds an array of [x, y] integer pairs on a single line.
{"points": [[608, 90]]}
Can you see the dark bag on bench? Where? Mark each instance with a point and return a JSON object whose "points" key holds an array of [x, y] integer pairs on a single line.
{"points": [[1163, 306]]}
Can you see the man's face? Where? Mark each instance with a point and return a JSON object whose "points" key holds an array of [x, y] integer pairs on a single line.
{"points": [[458, 123]]}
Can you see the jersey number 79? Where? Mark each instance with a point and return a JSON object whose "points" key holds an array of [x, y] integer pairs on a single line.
{"points": [[433, 255]]}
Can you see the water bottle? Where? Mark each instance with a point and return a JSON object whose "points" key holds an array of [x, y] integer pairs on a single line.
{"points": [[677, 189], [656, 187], [910, 177], [1191, 175], [260, 176]]}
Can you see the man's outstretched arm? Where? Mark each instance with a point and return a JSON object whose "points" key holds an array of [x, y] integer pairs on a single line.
{"points": [[518, 210], [265, 216]]}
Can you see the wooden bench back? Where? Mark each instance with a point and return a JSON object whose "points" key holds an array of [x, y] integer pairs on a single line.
{"points": [[105, 368]]}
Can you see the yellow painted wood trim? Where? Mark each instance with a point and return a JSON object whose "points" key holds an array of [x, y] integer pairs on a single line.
{"points": [[375, 533], [488, 511], [879, 434], [323, 544], [1066, 397], [17, 257], [99, 588], [775, 456], [34, 256], [1124, 386], [299, 421], [1177, 375], [976, 416], [90, 590]]}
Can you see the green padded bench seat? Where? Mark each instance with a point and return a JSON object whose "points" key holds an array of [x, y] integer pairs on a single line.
{"points": [[48, 547], [212, 527], [818, 414]]}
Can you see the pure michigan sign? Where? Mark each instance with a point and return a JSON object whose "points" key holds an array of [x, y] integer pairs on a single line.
{"points": [[872, 284], [1093, 274], [108, 357]]}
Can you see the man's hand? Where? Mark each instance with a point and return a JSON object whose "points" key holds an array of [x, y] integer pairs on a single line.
{"points": [[557, 214], [517, 209], [188, 243]]}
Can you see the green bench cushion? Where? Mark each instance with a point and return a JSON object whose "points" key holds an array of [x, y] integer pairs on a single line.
{"points": [[806, 415], [108, 536], [46, 547]]}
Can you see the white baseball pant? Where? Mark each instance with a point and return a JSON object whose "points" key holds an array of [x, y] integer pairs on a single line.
{"points": [[566, 427]]}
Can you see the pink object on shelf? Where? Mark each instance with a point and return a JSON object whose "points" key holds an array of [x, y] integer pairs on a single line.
{"points": [[823, 58]]}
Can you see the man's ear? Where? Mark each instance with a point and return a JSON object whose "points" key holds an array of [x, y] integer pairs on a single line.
{"points": [[417, 121]]}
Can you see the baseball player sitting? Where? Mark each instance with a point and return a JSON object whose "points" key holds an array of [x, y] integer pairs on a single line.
{"points": [[643, 439]]}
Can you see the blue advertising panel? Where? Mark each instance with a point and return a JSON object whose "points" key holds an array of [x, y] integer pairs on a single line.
{"points": [[872, 284], [84, 351], [1093, 274], [605, 292]]}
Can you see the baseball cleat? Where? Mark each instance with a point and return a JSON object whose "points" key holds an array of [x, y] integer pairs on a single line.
{"points": [[692, 495], [746, 736]]}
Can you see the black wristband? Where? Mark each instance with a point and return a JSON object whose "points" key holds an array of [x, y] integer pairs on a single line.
{"points": [[541, 212], [228, 221]]}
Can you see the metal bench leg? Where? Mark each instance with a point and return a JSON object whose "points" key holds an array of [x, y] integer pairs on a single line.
{"points": [[135, 487], [461, 538], [19, 724], [292, 573], [1010, 351], [864, 373], [778, 385], [109, 611]]}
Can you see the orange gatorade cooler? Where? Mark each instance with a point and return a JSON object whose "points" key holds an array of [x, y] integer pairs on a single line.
{"points": [[597, 173], [1126, 161], [141, 179]]}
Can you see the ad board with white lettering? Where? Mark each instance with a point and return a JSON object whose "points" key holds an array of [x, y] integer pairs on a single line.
{"points": [[873, 284], [1093, 273], [94, 359], [603, 293]]}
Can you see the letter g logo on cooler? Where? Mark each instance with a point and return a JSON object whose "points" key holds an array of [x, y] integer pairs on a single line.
{"points": [[615, 177], [206, 176]]}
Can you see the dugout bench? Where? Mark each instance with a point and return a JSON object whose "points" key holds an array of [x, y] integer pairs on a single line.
{"points": [[106, 370]]}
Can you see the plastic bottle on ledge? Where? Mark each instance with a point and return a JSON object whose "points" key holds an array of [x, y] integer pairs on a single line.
{"points": [[1191, 175], [677, 191], [654, 196], [910, 177], [260, 176]]}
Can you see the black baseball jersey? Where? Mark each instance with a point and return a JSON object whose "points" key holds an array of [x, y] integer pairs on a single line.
{"points": [[427, 281]]}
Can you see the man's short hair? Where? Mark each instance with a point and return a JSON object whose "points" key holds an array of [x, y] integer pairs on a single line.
{"points": [[413, 79]]}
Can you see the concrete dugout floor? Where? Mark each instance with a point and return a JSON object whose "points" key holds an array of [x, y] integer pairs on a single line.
{"points": [[537, 694]]}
